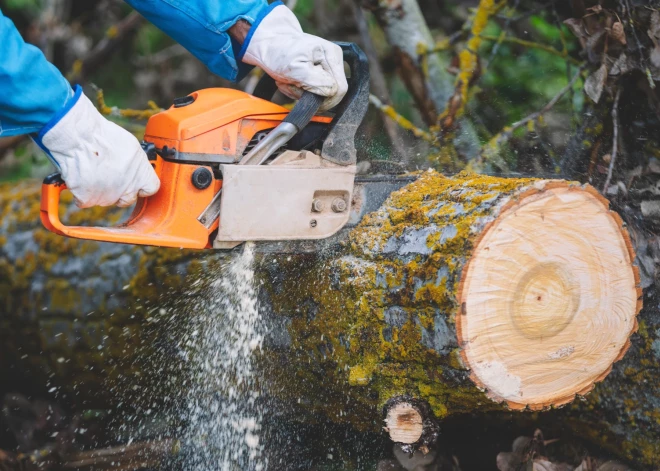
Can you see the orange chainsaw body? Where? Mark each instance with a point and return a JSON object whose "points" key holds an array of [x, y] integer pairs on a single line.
{"points": [[211, 125], [288, 175]]}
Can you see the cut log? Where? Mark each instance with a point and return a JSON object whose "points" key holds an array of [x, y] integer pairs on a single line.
{"points": [[469, 293], [524, 268], [548, 299]]}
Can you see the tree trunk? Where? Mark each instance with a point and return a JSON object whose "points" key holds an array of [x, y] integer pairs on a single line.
{"points": [[469, 293], [425, 75]]}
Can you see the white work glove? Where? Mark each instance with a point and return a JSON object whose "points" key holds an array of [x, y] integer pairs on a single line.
{"points": [[101, 163], [296, 60]]}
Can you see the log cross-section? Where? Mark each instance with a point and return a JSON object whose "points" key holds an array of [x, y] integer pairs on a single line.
{"points": [[549, 297], [533, 280]]}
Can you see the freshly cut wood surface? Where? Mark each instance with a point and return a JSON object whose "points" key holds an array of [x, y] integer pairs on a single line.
{"points": [[404, 423], [549, 298]]}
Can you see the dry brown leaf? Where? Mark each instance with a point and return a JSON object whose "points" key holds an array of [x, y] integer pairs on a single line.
{"points": [[655, 56], [613, 466], [543, 465], [651, 209], [613, 190], [6, 458], [388, 465], [594, 84], [508, 461], [654, 165], [617, 32], [622, 188], [593, 45], [633, 174], [621, 66], [577, 28], [520, 444]]}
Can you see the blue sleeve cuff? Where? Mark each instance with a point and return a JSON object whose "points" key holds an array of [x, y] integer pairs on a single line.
{"points": [[60, 114], [243, 68], [38, 138], [32, 90], [254, 27]]}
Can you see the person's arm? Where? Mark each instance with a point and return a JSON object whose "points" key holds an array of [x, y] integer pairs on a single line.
{"points": [[240, 31], [231, 36], [101, 163], [203, 28], [32, 90]]}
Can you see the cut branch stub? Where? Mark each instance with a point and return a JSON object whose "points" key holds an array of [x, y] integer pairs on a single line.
{"points": [[404, 423], [410, 422], [549, 297]]}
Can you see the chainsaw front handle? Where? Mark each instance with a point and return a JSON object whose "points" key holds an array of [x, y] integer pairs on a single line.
{"points": [[52, 188], [304, 110], [338, 146], [299, 117]]}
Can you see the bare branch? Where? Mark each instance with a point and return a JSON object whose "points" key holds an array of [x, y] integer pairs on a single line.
{"points": [[401, 121], [615, 139], [128, 113], [468, 66], [533, 45]]}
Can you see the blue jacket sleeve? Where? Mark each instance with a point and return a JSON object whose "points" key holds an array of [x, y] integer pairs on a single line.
{"points": [[201, 27], [32, 90]]}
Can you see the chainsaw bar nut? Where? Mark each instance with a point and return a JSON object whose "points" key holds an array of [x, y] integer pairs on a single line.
{"points": [[202, 178], [338, 205], [317, 205]]}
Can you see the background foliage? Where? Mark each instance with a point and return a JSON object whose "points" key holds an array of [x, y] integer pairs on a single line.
{"points": [[147, 64]]}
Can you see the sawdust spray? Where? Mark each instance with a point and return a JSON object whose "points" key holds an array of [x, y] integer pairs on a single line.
{"points": [[222, 411]]}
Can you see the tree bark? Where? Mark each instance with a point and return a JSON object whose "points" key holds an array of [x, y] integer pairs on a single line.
{"points": [[399, 307]]}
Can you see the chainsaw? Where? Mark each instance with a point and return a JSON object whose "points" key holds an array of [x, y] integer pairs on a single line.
{"points": [[236, 167]]}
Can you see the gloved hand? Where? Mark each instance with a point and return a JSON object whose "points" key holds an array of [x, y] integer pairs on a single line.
{"points": [[101, 163], [296, 60]]}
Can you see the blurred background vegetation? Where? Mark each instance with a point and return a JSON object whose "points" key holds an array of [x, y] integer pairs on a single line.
{"points": [[143, 64]]}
